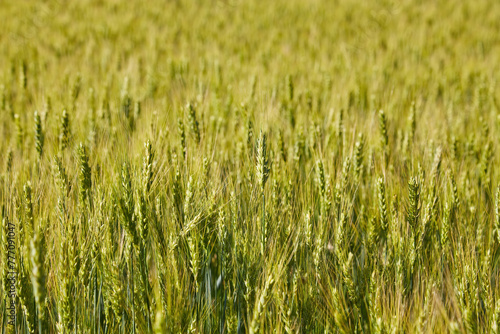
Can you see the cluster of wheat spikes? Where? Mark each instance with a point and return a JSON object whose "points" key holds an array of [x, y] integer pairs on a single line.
{"points": [[251, 166]]}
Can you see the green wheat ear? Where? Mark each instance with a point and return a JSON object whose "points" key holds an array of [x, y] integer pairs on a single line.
{"points": [[262, 176], [64, 132], [255, 324], [8, 161], [281, 146], [340, 133], [320, 177], [39, 136], [23, 76], [84, 174], [28, 207], [117, 290], [290, 88], [25, 293], [147, 166], [383, 130], [160, 325], [250, 140], [19, 131], [67, 306], [413, 122], [143, 219], [497, 216], [4, 254], [299, 148], [413, 205], [193, 122], [137, 111], [3, 98], [188, 200], [74, 91], [263, 168], [61, 176], [177, 196], [38, 277], [359, 156], [436, 164], [182, 134], [382, 205], [126, 205], [47, 108]]}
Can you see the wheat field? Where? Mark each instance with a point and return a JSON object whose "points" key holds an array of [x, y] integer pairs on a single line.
{"points": [[250, 166]]}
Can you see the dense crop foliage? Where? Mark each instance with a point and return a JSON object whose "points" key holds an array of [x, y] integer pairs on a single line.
{"points": [[250, 166]]}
